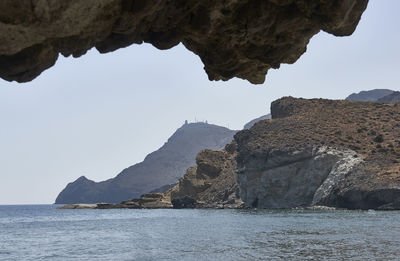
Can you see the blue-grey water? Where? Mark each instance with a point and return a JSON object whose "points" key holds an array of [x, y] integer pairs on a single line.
{"points": [[40, 232]]}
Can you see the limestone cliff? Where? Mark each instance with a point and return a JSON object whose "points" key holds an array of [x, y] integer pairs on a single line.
{"points": [[234, 38]]}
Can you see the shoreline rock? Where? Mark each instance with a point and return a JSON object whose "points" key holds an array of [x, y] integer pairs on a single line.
{"points": [[313, 154]]}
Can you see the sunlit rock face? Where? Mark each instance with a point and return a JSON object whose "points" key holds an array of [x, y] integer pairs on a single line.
{"points": [[334, 153], [234, 38]]}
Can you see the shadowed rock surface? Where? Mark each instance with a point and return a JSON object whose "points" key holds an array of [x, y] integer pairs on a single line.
{"points": [[393, 97], [164, 166], [211, 184], [233, 38], [372, 95]]}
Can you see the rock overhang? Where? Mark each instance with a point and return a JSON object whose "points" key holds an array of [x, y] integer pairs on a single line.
{"points": [[233, 38]]}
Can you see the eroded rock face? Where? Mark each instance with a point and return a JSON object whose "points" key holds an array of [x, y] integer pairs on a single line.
{"points": [[164, 166], [343, 154], [234, 38], [294, 178], [211, 184], [331, 153]]}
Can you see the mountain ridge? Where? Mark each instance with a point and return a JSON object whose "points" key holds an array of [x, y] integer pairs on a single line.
{"points": [[393, 97], [370, 95], [173, 158]]}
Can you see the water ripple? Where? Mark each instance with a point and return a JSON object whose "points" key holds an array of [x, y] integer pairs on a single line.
{"points": [[43, 233]]}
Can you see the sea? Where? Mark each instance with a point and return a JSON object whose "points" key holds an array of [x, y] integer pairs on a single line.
{"points": [[42, 232]]}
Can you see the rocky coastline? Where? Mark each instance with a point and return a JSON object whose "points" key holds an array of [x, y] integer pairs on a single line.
{"points": [[232, 38], [312, 154]]}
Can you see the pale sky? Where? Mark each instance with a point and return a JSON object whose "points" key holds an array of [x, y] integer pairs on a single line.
{"points": [[99, 114]]}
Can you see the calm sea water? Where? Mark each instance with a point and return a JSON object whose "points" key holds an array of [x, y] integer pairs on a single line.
{"points": [[41, 232]]}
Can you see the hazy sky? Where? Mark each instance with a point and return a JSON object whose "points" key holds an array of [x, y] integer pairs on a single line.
{"points": [[99, 114]]}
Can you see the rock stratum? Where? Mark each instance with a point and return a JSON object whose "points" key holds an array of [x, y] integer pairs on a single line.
{"points": [[164, 166], [341, 154], [233, 38]]}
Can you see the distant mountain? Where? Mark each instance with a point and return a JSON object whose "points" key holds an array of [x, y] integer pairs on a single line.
{"points": [[164, 166], [251, 123], [372, 95], [393, 97]]}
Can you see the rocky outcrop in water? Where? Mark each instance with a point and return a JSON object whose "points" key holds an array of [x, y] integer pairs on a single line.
{"points": [[164, 166], [148, 201], [233, 38], [342, 154], [211, 184]]}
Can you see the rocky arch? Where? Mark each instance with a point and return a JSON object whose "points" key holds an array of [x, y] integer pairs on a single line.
{"points": [[233, 38]]}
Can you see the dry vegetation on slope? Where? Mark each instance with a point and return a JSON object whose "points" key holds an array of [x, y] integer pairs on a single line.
{"points": [[313, 152], [370, 129]]}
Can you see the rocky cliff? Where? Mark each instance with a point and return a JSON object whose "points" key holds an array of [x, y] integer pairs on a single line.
{"points": [[343, 154], [233, 38], [322, 152], [164, 166], [211, 184]]}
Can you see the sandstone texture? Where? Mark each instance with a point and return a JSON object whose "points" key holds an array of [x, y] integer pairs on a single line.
{"points": [[233, 38]]}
